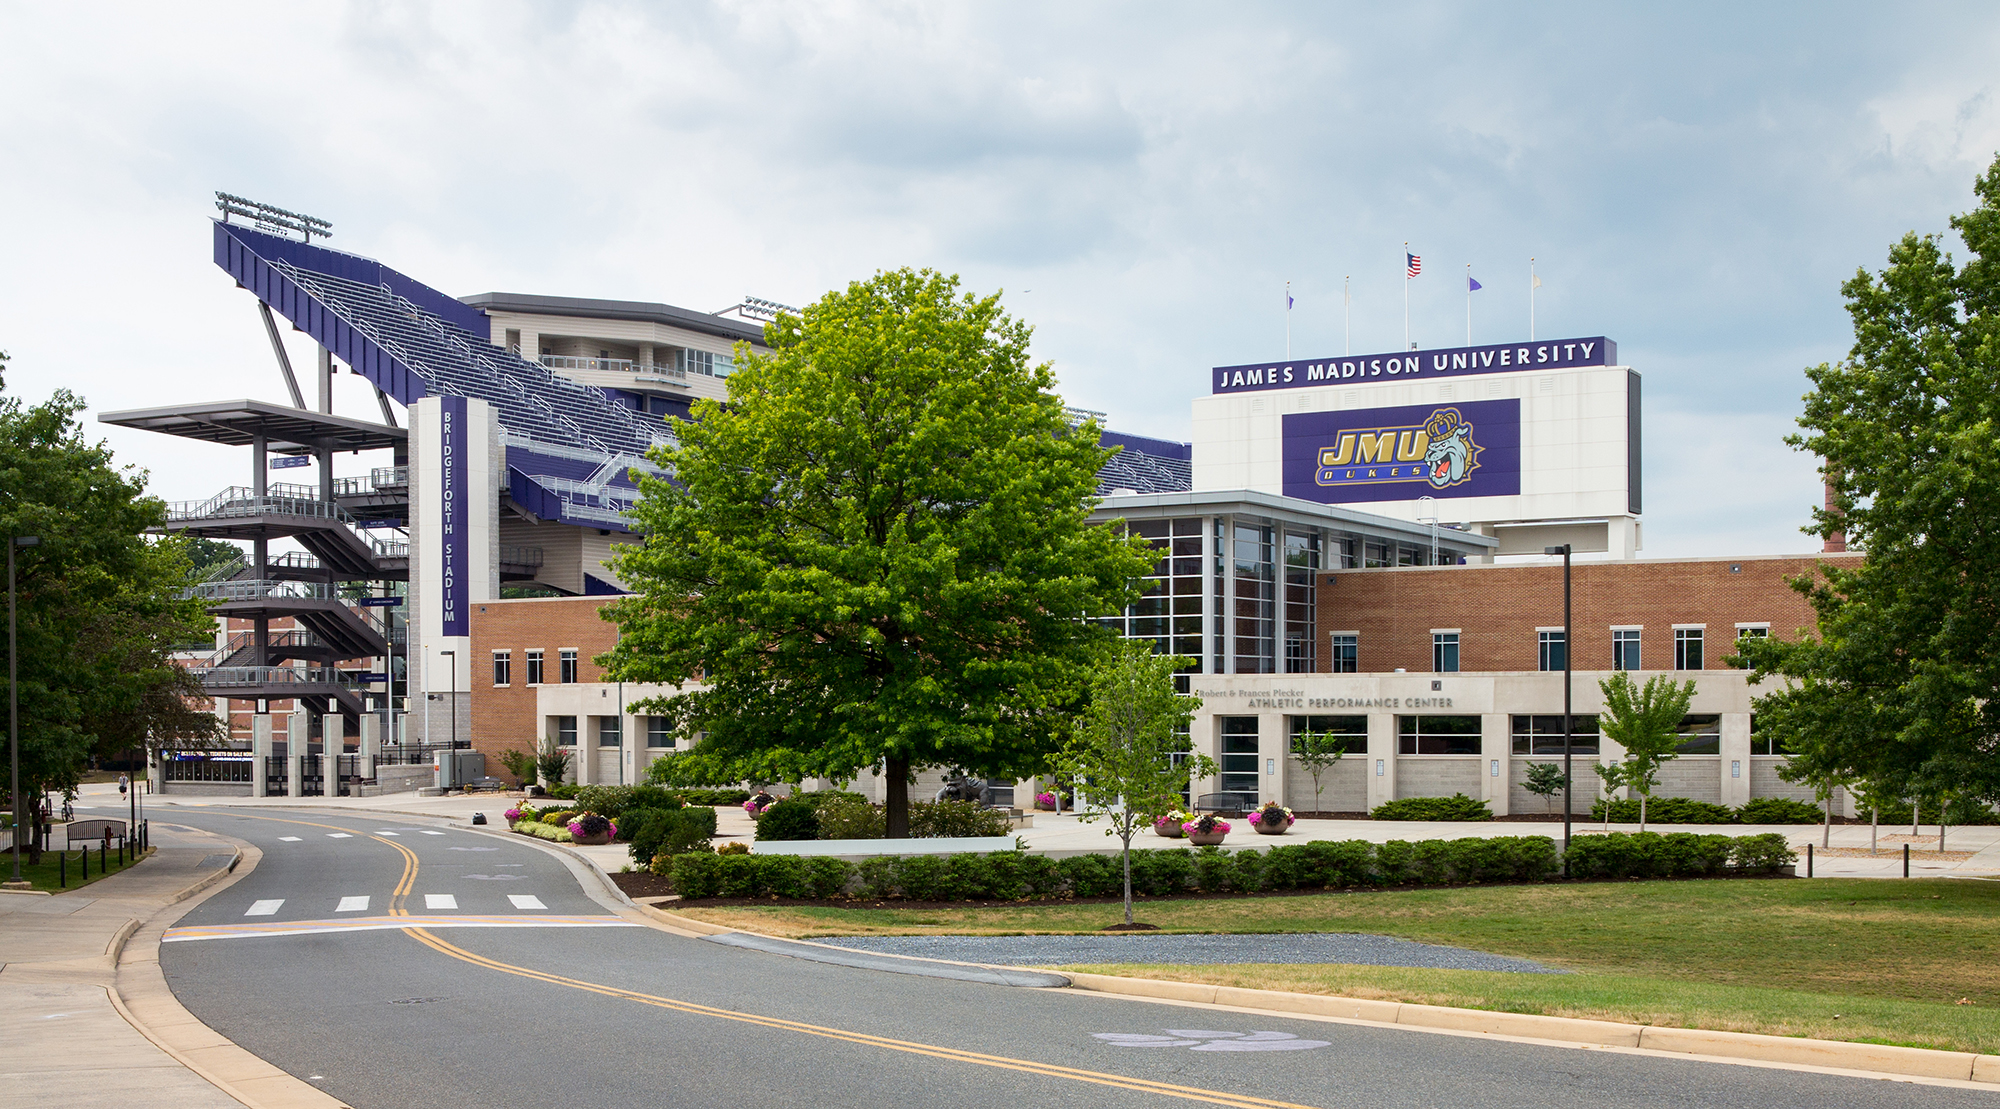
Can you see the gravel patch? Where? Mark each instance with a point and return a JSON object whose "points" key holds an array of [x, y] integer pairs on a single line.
{"points": [[1310, 947]]}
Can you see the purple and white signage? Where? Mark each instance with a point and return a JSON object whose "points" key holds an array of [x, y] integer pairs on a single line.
{"points": [[452, 498], [1450, 449], [1546, 354]]}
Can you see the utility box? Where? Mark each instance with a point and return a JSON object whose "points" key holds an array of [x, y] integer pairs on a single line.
{"points": [[455, 768]]}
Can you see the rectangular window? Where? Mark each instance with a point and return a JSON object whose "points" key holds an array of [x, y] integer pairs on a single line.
{"points": [[1239, 755], [1625, 649], [535, 666], [1552, 650], [659, 732], [1761, 742], [1687, 648], [1254, 624], [1345, 653], [1543, 735], [1302, 562], [503, 668], [565, 731], [568, 663], [1437, 735], [610, 731], [1168, 614], [1444, 652], [1701, 735], [1374, 554], [1752, 631], [1351, 730]]}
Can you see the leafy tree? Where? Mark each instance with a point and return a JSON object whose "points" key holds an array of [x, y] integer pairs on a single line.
{"points": [[876, 554], [1317, 752], [1123, 750], [207, 556], [1645, 721], [1545, 780], [100, 605], [1899, 681]]}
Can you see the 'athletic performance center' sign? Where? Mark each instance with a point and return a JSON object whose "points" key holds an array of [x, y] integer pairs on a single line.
{"points": [[1458, 449], [1549, 354]]}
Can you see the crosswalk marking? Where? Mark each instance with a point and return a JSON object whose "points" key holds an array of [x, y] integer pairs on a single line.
{"points": [[428, 832], [352, 905], [338, 835], [526, 901], [440, 901], [380, 923], [265, 908], [288, 839]]}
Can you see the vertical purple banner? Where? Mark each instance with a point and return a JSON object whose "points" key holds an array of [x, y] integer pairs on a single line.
{"points": [[452, 545]]}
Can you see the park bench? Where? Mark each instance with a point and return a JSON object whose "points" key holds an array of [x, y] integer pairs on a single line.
{"points": [[1225, 804]]}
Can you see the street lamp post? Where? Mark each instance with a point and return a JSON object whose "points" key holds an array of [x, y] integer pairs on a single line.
{"points": [[14, 710], [453, 655], [1564, 551]]}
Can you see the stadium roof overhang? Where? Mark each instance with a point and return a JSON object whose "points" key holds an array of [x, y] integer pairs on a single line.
{"points": [[640, 311], [239, 423]]}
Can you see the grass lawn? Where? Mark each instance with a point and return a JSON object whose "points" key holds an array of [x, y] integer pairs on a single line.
{"points": [[46, 875], [1854, 959]]}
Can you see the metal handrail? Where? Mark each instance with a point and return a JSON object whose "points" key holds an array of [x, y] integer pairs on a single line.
{"points": [[389, 477], [257, 589], [239, 640], [219, 676], [616, 365], [239, 501]]}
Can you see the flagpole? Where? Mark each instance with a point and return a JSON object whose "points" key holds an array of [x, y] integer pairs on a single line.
{"points": [[1533, 284], [1406, 295], [1288, 321], [1468, 304], [1346, 311]]}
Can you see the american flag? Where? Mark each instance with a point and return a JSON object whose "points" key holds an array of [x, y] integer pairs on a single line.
{"points": [[1416, 265]]}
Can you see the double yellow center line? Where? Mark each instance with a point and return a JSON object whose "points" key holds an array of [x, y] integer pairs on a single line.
{"points": [[863, 1039]]}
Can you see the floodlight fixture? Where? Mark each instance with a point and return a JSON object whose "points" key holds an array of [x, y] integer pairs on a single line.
{"points": [[765, 309], [270, 217]]}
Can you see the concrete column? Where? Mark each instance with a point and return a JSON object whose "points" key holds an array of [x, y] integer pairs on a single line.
{"points": [[1273, 757], [295, 755], [260, 751], [333, 743], [1381, 758], [371, 743], [1496, 770], [1734, 765]]}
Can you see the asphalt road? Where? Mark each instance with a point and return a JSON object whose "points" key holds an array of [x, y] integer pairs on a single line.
{"points": [[548, 1010]]}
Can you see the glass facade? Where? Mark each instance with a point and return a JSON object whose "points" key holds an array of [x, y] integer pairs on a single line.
{"points": [[1239, 754], [1253, 622], [1302, 556], [1169, 613], [1437, 735], [1351, 730], [1701, 735], [659, 732], [1543, 735]]}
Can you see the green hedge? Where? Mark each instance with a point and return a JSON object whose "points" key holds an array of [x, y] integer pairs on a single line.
{"points": [[1683, 810], [1674, 855], [662, 832], [1456, 807], [714, 796]]}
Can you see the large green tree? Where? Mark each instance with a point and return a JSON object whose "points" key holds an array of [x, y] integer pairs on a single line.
{"points": [[876, 553], [1899, 682], [100, 604]]}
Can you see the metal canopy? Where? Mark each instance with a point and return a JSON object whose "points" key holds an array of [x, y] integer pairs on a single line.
{"points": [[237, 423]]}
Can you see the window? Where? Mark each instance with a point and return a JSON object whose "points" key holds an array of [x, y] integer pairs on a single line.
{"points": [[503, 667], [1254, 623], [535, 666], [1302, 562], [1374, 554], [1543, 735], [1169, 612], [610, 731], [1444, 652], [1352, 731], [1687, 648], [568, 663], [1552, 650], [1761, 742], [659, 732], [1625, 648], [565, 731], [1345, 652], [1437, 735], [1701, 735], [1752, 631], [1239, 755]]}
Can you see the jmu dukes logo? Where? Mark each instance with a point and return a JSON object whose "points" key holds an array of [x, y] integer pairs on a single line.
{"points": [[1438, 452]]}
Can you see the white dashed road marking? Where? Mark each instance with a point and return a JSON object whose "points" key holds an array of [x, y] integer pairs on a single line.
{"points": [[352, 905], [288, 839], [440, 901], [526, 901], [386, 832], [428, 832], [1197, 1039], [264, 908], [338, 835]]}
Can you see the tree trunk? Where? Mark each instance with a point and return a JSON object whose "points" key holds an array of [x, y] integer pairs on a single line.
{"points": [[896, 802], [1826, 833], [1874, 826], [1129, 871], [1643, 798]]}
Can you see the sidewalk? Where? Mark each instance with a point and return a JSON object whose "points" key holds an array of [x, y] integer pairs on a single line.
{"points": [[68, 1044]]}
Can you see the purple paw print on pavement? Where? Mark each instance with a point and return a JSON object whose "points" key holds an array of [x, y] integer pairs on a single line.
{"points": [[1196, 1039]]}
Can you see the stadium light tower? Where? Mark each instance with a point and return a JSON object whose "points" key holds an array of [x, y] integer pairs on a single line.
{"points": [[270, 217]]}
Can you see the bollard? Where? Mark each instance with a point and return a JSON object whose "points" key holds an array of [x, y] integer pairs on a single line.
{"points": [[1906, 860], [85, 859], [62, 870], [1808, 860]]}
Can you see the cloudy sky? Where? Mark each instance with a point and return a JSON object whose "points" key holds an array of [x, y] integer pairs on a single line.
{"points": [[1142, 180]]}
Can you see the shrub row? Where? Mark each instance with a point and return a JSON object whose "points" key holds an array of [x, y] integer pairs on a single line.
{"points": [[835, 814], [1685, 810], [1013, 876], [1456, 807], [659, 833]]}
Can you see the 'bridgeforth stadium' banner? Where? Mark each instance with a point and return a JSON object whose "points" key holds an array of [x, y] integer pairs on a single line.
{"points": [[1547, 354], [452, 494], [1451, 449]]}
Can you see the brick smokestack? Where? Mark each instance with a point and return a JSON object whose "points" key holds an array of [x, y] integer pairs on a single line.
{"points": [[1836, 542]]}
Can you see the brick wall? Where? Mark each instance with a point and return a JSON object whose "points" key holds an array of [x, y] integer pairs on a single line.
{"points": [[1498, 608], [504, 718]]}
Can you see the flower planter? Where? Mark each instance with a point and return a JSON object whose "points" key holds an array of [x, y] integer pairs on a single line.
{"points": [[1271, 829], [597, 840], [1169, 831], [1206, 839]]}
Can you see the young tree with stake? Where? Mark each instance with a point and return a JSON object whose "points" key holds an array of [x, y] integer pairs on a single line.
{"points": [[1317, 752], [1645, 721], [1123, 749]]}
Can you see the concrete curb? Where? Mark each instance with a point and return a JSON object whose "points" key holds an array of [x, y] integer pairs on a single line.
{"points": [[1749, 1046]]}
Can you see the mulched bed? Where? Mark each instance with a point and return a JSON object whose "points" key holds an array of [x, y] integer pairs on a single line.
{"points": [[642, 883]]}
